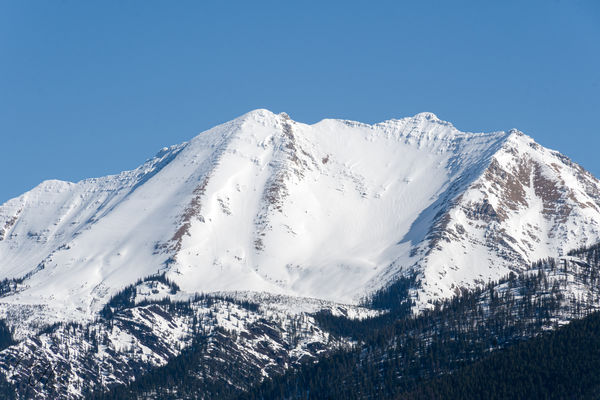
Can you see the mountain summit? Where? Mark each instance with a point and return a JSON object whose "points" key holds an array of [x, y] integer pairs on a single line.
{"points": [[333, 211]]}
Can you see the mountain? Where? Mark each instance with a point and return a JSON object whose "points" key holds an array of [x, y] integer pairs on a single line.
{"points": [[264, 244], [334, 210]]}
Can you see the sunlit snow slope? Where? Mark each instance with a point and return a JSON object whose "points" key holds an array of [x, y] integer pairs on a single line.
{"points": [[332, 210]]}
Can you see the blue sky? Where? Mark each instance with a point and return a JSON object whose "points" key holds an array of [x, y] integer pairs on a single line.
{"points": [[93, 88]]}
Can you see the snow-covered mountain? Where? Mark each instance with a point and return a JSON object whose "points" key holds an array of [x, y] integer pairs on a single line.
{"points": [[333, 211]]}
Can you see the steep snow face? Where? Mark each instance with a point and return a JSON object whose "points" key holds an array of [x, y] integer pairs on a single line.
{"points": [[332, 210], [321, 210]]}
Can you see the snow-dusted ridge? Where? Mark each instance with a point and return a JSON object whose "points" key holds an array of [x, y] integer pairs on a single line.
{"points": [[265, 204]]}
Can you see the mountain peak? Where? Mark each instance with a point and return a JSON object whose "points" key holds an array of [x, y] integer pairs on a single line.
{"points": [[429, 116], [261, 115]]}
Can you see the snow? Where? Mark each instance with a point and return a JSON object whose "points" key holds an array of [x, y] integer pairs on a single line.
{"points": [[263, 204]]}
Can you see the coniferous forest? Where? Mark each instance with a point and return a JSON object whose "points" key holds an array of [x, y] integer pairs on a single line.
{"points": [[562, 364]]}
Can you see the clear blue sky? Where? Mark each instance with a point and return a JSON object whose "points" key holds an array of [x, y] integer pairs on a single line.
{"points": [[93, 88]]}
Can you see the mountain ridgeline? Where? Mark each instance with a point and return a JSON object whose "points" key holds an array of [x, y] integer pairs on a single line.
{"points": [[266, 258]]}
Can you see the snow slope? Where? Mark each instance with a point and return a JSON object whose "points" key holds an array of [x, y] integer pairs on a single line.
{"points": [[332, 211]]}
